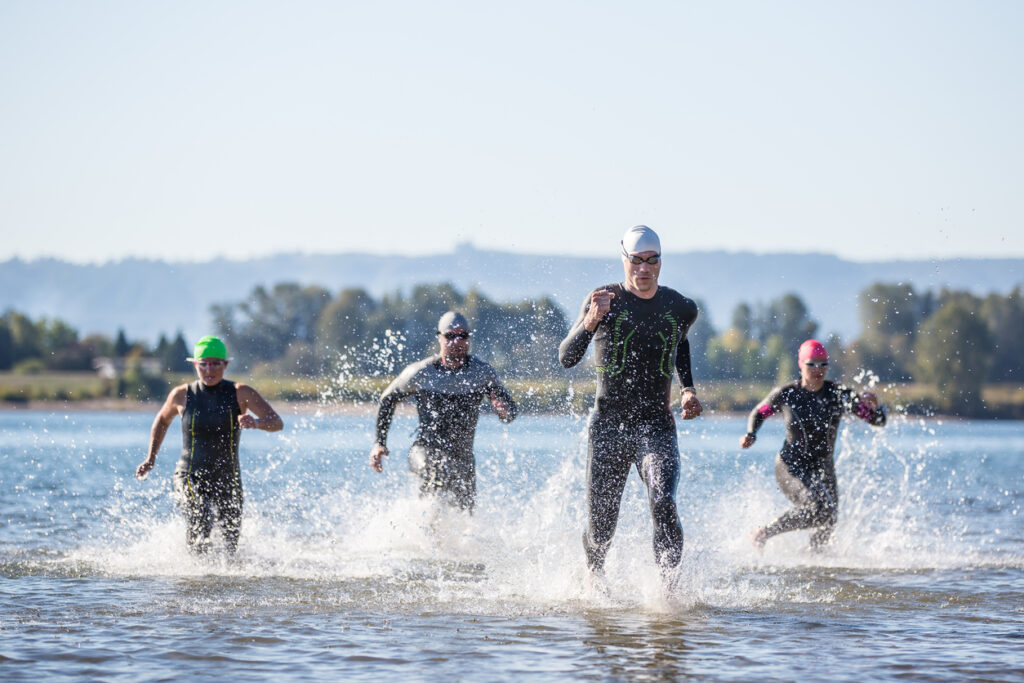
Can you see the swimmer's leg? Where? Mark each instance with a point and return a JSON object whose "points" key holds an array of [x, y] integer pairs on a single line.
{"points": [[461, 484], [817, 505], [229, 509], [607, 470], [826, 492], [451, 477], [425, 463], [193, 503], [808, 512], [659, 470]]}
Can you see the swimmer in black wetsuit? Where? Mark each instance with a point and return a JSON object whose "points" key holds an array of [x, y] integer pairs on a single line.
{"points": [[805, 467], [448, 388], [639, 333], [213, 410]]}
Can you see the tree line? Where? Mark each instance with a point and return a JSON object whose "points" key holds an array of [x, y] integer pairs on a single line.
{"points": [[29, 346], [954, 340], [306, 330]]}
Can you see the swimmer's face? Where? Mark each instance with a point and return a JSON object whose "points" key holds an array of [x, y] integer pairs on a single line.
{"points": [[210, 370], [812, 370], [642, 277], [454, 343]]}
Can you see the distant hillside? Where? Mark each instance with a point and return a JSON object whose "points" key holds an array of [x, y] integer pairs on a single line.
{"points": [[150, 297]]}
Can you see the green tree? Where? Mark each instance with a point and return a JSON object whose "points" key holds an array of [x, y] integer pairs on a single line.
{"points": [[345, 323], [789, 319], [700, 335], [953, 350], [743, 320], [172, 354], [99, 345], [178, 353], [1004, 316], [890, 316], [56, 334], [26, 337], [6, 346], [733, 355], [262, 327], [121, 346]]}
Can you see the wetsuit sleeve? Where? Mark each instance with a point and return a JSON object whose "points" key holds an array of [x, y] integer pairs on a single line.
{"points": [[853, 404], [505, 396], [574, 346], [763, 410], [687, 316], [395, 392], [683, 363]]}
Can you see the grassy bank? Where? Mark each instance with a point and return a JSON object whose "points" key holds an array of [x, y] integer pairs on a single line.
{"points": [[1003, 401]]}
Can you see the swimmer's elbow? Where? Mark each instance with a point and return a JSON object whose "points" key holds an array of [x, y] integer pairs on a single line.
{"points": [[567, 358]]}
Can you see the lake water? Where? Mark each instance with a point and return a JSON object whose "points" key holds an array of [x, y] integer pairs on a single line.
{"points": [[343, 573]]}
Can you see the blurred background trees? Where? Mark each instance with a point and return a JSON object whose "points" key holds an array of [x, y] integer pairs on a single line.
{"points": [[955, 342]]}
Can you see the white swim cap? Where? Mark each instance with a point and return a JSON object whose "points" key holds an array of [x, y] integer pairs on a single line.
{"points": [[452, 320], [640, 238]]}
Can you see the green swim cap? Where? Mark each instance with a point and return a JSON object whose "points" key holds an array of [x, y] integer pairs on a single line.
{"points": [[209, 347]]}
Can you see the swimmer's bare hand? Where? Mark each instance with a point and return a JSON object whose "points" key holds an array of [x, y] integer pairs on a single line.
{"points": [[377, 455], [500, 407], [600, 304], [747, 440], [247, 421], [870, 400], [145, 468], [691, 406]]}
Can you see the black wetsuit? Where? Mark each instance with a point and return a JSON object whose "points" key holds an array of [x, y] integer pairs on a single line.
{"points": [[448, 405], [805, 467], [207, 481], [639, 345]]}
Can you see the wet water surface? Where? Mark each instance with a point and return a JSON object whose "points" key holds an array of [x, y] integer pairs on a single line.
{"points": [[345, 573]]}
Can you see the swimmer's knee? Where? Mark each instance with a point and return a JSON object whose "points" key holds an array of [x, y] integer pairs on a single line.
{"points": [[663, 507]]}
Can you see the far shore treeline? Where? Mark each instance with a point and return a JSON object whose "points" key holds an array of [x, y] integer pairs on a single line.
{"points": [[951, 352]]}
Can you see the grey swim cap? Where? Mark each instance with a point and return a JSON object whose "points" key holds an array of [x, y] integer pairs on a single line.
{"points": [[640, 238], [452, 320]]}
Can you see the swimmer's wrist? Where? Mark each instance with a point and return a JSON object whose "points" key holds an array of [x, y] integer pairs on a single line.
{"points": [[691, 390]]}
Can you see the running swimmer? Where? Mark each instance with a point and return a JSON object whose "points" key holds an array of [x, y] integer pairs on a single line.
{"points": [[639, 332], [448, 388], [805, 467], [213, 410]]}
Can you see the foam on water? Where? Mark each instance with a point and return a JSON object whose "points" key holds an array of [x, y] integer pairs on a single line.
{"points": [[376, 541]]}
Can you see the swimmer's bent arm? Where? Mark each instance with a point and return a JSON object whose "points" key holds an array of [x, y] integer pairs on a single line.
{"points": [[502, 402], [689, 405], [574, 346], [172, 407], [761, 412], [866, 407], [266, 418], [395, 392]]}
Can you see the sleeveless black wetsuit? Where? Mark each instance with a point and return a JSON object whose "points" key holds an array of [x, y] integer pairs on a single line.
{"points": [[448, 406], [639, 346], [805, 467], [207, 481]]}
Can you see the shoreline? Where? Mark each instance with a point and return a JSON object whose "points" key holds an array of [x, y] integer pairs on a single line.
{"points": [[366, 409]]}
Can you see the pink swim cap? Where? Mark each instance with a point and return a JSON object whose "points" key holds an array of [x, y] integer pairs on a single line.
{"points": [[812, 348]]}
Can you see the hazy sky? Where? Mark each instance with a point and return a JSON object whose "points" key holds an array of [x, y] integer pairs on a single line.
{"points": [[188, 130]]}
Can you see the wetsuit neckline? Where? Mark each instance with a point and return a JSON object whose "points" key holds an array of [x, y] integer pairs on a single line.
{"points": [[812, 391], [625, 289], [444, 368]]}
